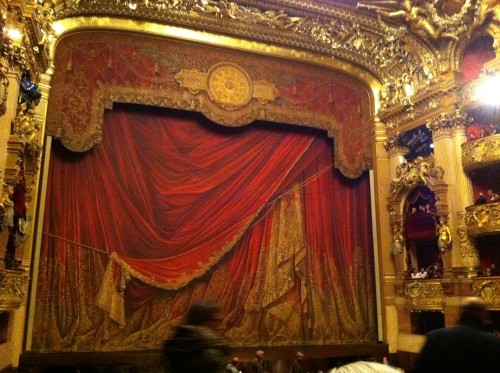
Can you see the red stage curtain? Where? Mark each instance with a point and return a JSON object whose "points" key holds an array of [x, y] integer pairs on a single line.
{"points": [[173, 197]]}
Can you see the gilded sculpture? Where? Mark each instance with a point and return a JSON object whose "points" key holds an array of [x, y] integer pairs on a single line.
{"points": [[398, 242], [444, 235], [411, 173], [421, 16]]}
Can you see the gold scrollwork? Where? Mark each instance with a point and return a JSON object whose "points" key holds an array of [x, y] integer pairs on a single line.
{"points": [[488, 290], [12, 289], [424, 294], [483, 219]]}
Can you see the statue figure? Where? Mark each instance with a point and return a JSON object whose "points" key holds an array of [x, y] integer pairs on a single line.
{"points": [[444, 235], [488, 12], [417, 17], [487, 16], [398, 241]]}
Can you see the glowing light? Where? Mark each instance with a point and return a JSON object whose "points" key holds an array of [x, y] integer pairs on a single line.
{"points": [[487, 92], [14, 34]]}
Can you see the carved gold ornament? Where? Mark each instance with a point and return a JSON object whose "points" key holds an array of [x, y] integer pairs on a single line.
{"points": [[227, 85], [481, 152], [488, 290], [410, 174], [12, 289], [483, 219], [424, 294]]}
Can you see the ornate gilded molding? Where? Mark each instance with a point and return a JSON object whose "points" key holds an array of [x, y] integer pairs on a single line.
{"points": [[228, 85], [435, 20], [483, 219], [397, 57], [424, 294], [393, 145], [27, 127], [488, 290], [480, 153], [448, 123], [426, 105], [12, 289]]}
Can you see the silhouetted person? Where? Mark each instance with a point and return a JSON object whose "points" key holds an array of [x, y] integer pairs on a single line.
{"points": [[297, 366], [465, 347], [257, 364], [196, 346], [481, 199]]}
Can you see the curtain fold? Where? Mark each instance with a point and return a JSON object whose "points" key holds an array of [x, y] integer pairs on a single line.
{"points": [[171, 207]]}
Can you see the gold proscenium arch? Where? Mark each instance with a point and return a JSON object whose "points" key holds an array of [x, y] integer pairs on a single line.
{"points": [[225, 93]]}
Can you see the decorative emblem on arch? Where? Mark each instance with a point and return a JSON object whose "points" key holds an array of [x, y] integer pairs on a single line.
{"points": [[228, 85]]}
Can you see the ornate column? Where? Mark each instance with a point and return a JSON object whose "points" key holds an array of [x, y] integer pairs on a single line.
{"points": [[448, 132], [396, 158]]}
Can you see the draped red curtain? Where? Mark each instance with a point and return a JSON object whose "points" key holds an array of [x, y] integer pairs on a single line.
{"points": [[171, 201]]}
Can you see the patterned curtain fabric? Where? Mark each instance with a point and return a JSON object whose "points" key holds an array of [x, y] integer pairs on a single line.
{"points": [[170, 208]]}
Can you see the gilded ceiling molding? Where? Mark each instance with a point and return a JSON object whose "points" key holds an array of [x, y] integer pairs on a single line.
{"points": [[425, 107], [75, 24], [448, 124], [387, 52]]}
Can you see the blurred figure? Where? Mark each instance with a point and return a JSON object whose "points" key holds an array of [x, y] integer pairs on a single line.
{"points": [[297, 366], [481, 199], [465, 347], [257, 364], [232, 367], [367, 367], [494, 197], [196, 346]]}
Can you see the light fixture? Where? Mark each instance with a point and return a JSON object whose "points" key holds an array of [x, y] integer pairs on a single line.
{"points": [[487, 91]]}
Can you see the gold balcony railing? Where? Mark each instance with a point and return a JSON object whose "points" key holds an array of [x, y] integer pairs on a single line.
{"points": [[483, 220], [481, 153]]}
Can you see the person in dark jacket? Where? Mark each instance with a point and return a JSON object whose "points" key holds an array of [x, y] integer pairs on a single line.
{"points": [[196, 345], [465, 347]]}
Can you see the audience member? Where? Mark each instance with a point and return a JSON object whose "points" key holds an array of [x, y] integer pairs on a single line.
{"points": [[494, 270], [494, 197], [195, 345], [465, 347], [257, 364], [232, 367], [481, 199], [421, 274], [366, 367], [297, 366]]}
